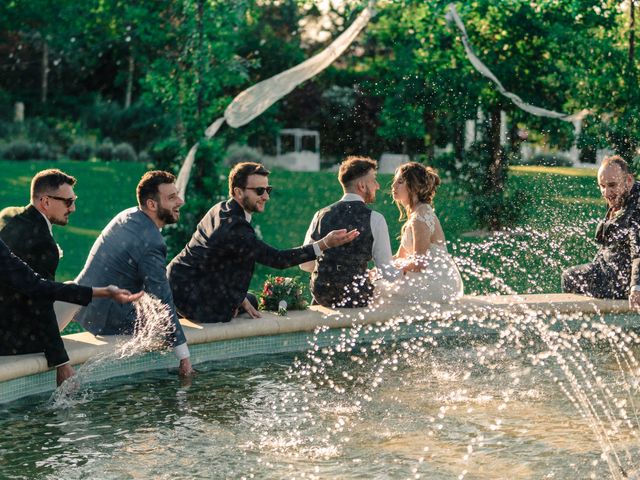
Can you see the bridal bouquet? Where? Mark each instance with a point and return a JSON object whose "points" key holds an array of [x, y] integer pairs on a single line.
{"points": [[280, 294]]}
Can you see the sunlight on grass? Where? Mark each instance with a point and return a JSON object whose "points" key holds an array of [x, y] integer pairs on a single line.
{"points": [[568, 171], [85, 232]]}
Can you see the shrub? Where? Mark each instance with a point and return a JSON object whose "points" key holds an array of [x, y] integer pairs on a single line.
{"points": [[41, 151], [125, 153], [18, 150], [166, 153], [241, 153], [24, 150], [144, 157], [105, 151], [80, 151], [446, 163], [138, 125], [550, 160]]}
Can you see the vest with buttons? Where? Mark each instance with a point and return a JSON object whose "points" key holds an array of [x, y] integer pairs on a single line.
{"points": [[339, 278]]}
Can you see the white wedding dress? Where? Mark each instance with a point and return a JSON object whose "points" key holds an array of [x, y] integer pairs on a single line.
{"points": [[439, 280]]}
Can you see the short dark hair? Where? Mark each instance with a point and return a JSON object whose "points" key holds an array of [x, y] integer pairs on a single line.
{"points": [[148, 185], [240, 173], [353, 168], [616, 160], [46, 181]]}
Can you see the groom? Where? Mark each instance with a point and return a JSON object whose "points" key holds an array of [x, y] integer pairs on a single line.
{"points": [[339, 278], [210, 277]]}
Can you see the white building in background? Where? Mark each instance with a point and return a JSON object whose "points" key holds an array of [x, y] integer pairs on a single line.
{"points": [[297, 150]]}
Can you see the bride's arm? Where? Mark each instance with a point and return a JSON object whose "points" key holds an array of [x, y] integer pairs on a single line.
{"points": [[421, 244]]}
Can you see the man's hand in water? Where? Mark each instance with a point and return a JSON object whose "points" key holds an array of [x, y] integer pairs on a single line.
{"points": [[185, 369], [64, 372], [634, 300]]}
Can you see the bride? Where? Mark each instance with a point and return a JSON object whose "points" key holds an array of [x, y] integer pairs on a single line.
{"points": [[430, 274]]}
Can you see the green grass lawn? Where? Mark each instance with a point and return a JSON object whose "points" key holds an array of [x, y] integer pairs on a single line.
{"points": [[555, 234]]}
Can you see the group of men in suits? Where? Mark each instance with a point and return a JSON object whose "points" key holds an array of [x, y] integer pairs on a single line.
{"points": [[208, 280], [130, 252]]}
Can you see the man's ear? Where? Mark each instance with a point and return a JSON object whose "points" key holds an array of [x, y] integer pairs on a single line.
{"points": [[150, 204]]}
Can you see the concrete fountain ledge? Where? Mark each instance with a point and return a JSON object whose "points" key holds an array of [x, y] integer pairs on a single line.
{"points": [[84, 346]]}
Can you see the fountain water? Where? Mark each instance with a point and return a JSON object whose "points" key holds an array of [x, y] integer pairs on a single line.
{"points": [[439, 391]]}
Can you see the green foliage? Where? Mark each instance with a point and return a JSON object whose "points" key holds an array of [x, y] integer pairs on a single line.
{"points": [[80, 151], [166, 153], [104, 151], [23, 150], [139, 125], [124, 152], [241, 153], [549, 160]]}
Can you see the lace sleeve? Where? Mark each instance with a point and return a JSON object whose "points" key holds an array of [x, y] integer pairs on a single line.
{"points": [[426, 215]]}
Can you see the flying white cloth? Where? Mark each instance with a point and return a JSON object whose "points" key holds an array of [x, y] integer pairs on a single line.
{"points": [[253, 101], [452, 14]]}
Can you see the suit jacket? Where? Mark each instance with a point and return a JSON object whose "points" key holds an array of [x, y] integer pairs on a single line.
{"points": [[18, 275], [211, 276], [130, 253], [619, 239], [28, 324]]}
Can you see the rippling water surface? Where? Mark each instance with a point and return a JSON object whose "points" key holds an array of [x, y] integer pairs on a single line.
{"points": [[406, 410]]}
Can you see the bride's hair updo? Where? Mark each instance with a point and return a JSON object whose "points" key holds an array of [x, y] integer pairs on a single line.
{"points": [[421, 182]]}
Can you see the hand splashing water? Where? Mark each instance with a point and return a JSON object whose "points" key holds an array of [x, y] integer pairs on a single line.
{"points": [[152, 327]]}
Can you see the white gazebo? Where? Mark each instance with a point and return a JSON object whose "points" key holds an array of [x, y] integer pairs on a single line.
{"points": [[303, 154]]}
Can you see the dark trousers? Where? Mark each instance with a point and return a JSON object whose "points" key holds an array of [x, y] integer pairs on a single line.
{"points": [[354, 296], [594, 280]]}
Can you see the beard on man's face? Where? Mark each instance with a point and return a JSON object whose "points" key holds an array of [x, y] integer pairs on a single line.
{"points": [[369, 195], [167, 216], [62, 221], [248, 205]]}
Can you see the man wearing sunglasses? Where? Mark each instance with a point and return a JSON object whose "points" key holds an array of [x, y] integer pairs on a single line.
{"points": [[210, 277], [28, 234]]}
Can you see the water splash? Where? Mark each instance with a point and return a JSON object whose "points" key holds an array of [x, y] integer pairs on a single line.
{"points": [[557, 346], [153, 325]]}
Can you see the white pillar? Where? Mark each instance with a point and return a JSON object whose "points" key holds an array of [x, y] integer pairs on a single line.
{"points": [[19, 112], [574, 152], [469, 133], [503, 128]]}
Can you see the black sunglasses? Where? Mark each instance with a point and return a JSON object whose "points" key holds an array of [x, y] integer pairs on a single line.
{"points": [[260, 190], [67, 201]]}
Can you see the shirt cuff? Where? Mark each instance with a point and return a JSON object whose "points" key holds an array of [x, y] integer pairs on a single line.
{"points": [[182, 351], [63, 363], [635, 288], [316, 249]]}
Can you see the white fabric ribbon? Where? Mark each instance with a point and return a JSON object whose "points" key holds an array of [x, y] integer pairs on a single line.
{"points": [[256, 99], [452, 14]]}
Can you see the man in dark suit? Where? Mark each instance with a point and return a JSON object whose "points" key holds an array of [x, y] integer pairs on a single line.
{"points": [[29, 325], [615, 270], [210, 277]]}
